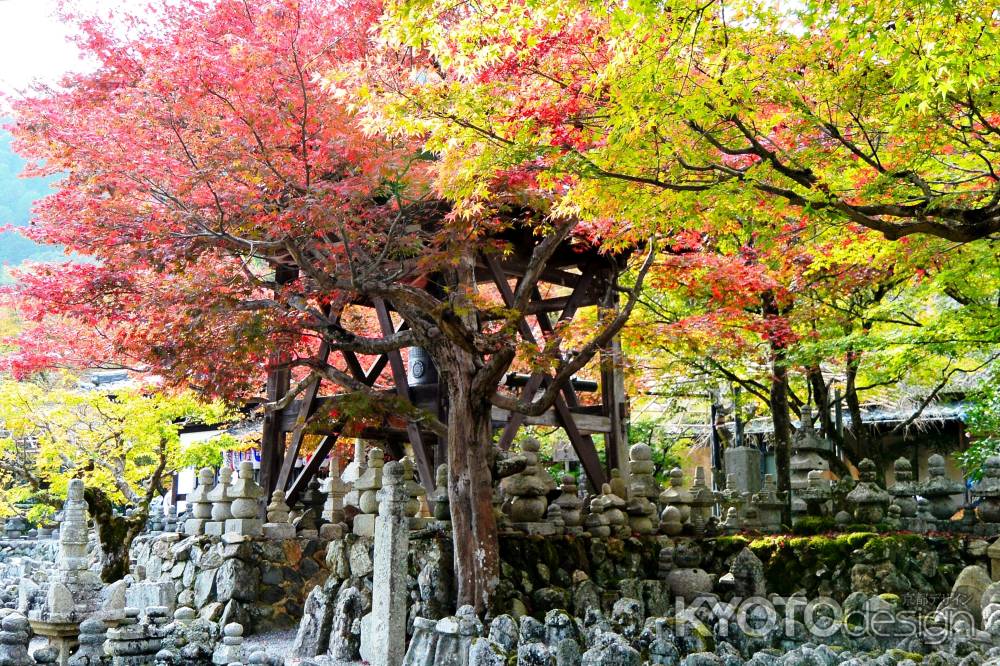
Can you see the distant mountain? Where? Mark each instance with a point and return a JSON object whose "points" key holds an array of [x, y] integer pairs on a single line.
{"points": [[16, 197]]}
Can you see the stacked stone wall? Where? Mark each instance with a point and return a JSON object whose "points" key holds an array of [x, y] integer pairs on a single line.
{"points": [[579, 573], [42, 550], [258, 583]]}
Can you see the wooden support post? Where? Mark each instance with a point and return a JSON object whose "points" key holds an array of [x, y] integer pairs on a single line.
{"points": [[272, 440], [613, 396], [403, 390], [307, 409]]}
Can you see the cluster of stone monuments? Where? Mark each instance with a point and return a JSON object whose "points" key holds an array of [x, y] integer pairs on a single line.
{"points": [[634, 503], [373, 510], [748, 501], [930, 505]]}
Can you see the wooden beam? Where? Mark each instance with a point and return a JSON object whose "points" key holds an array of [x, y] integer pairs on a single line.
{"points": [[587, 424], [515, 267], [582, 444], [298, 433], [548, 305], [311, 468], [420, 394], [537, 379], [568, 390], [403, 390], [354, 366], [377, 367]]}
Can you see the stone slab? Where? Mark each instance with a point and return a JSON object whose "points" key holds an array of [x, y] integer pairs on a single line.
{"points": [[215, 528], [364, 524], [194, 526], [536, 529], [743, 464], [245, 526], [278, 531]]}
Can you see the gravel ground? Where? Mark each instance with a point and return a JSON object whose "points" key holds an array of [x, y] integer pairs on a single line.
{"points": [[274, 642]]}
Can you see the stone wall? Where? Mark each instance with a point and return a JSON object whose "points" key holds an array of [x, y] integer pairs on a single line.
{"points": [[43, 550], [577, 573], [258, 583], [539, 574]]}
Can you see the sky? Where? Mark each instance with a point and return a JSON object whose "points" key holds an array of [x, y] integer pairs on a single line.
{"points": [[33, 43]]}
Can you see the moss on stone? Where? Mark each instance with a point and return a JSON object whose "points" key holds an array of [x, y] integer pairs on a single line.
{"points": [[898, 655], [812, 525], [892, 599]]}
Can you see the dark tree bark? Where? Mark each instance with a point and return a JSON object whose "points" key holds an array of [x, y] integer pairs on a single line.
{"points": [[115, 533], [778, 401], [823, 404], [862, 445], [781, 418], [821, 396], [470, 491]]}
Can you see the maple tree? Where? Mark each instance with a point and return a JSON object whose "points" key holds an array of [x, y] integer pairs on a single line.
{"points": [[883, 114], [724, 119], [878, 321], [241, 215], [122, 444]]}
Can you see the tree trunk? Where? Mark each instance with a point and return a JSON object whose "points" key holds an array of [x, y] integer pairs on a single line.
{"points": [[782, 425], [470, 489], [822, 398], [115, 533], [863, 447]]}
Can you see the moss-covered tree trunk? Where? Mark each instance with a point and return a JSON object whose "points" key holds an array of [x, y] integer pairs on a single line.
{"points": [[115, 533]]}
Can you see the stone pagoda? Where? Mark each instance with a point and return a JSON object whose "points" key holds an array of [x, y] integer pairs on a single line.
{"points": [[74, 590], [643, 490], [246, 496], [702, 501], [817, 495], [988, 490], [335, 524], [571, 505], [200, 506], [868, 499], [766, 506], [677, 495], [352, 472], [221, 503], [417, 495], [525, 492], [438, 498], [278, 526], [732, 497], [903, 490], [367, 487], [809, 452], [940, 491]]}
